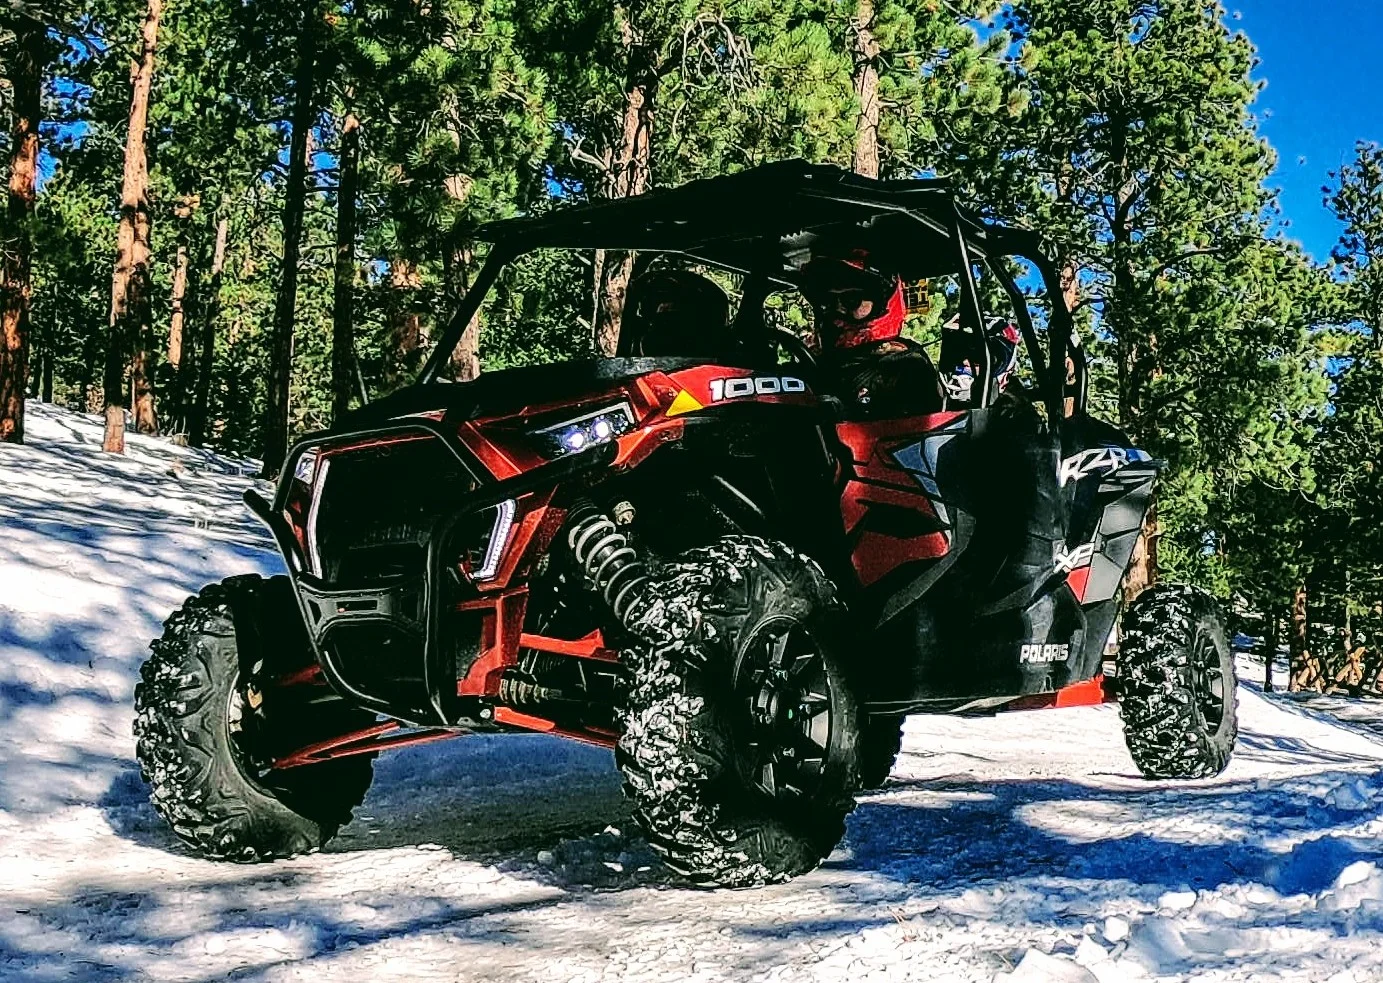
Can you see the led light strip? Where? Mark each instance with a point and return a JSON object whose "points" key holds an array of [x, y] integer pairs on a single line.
{"points": [[310, 537], [499, 537]]}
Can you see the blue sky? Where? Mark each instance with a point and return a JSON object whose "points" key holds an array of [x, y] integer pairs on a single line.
{"points": [[1325, 91]]}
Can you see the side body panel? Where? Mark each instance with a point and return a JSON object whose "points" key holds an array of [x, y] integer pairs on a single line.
{"points": [[1013, 588]]}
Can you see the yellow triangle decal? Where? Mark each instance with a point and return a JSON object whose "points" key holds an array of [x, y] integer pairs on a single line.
{"points": [[684, 403]]}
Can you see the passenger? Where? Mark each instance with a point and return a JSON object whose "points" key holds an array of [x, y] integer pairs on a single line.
{"points": [[676, 312], [1003, 339]]}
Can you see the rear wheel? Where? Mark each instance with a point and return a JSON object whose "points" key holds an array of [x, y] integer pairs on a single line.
{"points": [[208, 727], [740, 735], [1176, 684]]}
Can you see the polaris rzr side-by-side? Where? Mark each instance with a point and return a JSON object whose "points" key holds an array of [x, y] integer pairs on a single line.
{"points": [[737, 558]]}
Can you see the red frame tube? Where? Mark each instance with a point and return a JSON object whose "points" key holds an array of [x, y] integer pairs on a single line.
{"points": [[1088, 693], [541, 725], [377, 737], [590, 647], [391, 734]]}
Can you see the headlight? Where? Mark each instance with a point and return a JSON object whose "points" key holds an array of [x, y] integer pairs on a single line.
{"points": [[571, 436]]}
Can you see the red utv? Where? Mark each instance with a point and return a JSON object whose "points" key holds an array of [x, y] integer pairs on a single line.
{"points": [[727, 563]]}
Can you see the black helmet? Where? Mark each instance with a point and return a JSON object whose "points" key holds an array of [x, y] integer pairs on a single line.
{"points": [[675, 312]]}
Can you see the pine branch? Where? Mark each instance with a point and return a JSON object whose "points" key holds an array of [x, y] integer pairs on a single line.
{"points": [[583, 157]]}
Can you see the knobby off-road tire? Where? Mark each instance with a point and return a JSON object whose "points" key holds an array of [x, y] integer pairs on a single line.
{"points": [[698, 714], [1176, 684], [880, 742], [206, 727]]}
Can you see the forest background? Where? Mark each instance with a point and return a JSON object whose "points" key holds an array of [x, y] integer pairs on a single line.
{"points": [[225, 218]]}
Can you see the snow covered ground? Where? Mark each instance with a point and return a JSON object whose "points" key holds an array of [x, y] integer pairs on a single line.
{"points": [[1020, 847]]}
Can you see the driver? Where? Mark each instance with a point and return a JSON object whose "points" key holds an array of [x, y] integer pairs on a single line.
{"points": [[675, 312], [859, 324]]}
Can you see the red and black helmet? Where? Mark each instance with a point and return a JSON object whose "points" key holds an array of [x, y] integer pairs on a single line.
{"points": [[856, 302]]}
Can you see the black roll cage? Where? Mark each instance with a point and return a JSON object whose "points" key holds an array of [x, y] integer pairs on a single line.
{"points": [[741, 223]]}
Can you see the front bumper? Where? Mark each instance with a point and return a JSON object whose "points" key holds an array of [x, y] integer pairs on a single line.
{"points": [[400, 644]]}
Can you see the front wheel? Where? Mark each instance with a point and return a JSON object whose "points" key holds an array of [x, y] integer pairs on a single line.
{"points": [[1176, 684], [208, 726], [740, 735]]}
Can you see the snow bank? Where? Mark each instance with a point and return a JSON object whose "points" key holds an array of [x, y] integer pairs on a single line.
{"points": [[1021, 847]]}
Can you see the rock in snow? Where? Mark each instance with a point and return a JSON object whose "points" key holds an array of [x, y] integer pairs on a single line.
{"points": [[1115, 929], [1006, 848], [1038, 967]]}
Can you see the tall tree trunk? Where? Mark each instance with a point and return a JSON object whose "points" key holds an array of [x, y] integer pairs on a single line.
{"points": [[46, 386], [1346, 619], [1306, 670], [866, 82], [275, 419], [142, 384], [181, 268], [343, 290], [1142, 570], [131, 314], [465, 360], [406, 323], [178, 300], [1269, 647], [16, 271], [1070, 295], [1133, 374], [206, 344], [629, 175], [457, 260]]}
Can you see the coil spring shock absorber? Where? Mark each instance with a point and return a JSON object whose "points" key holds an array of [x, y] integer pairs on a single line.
{"points": [[607, 559]]}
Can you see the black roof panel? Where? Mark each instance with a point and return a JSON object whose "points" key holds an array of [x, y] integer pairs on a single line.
{"points": [[724, 220]]}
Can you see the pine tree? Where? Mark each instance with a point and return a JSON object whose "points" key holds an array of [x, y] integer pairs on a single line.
{"points": [[623, 76], [1355, 195], [343, 368], [455, 124], [131, 310], [29, 51], [276, 405], [1138, 157]]}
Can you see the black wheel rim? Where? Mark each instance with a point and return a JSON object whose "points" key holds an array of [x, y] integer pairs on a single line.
{"points": [[783, 687], [244, 729], [1208, 679]]}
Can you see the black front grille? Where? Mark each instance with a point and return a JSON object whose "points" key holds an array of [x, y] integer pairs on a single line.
{"points": [[380, 659], [377, 508]]}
